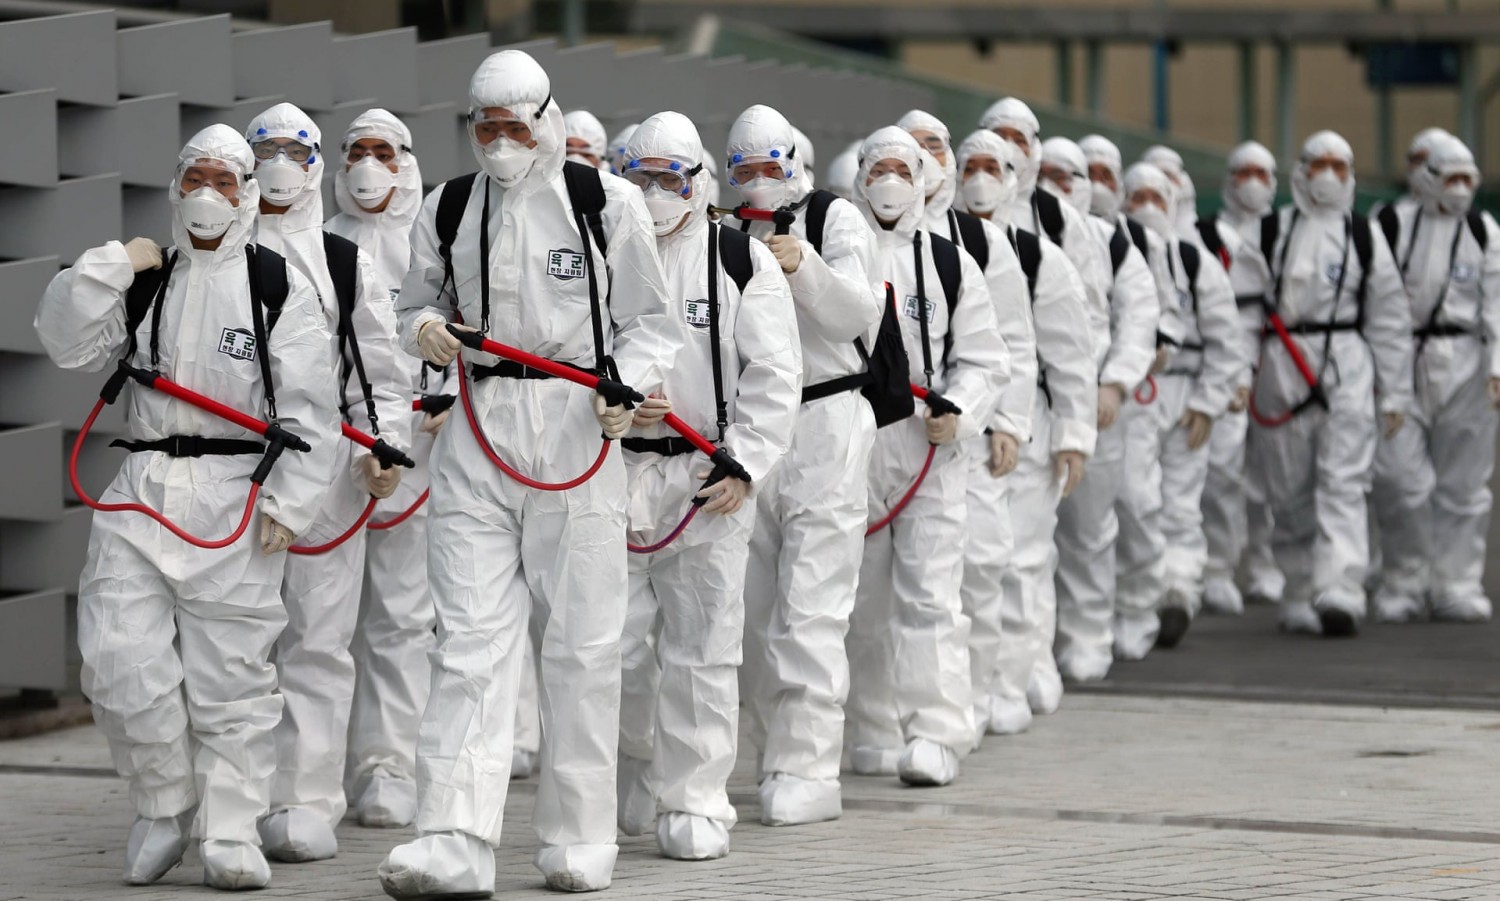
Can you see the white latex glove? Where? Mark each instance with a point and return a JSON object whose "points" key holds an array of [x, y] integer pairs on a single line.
{"points": [[725, 496], [1110, 398], [1070, 465], [1393, 423], [274, 537], [1241, 399], [437, 346], [381, 483], [653, 410], [940, 429], [1199, 426], [614, 420], [432, 424], [1163, 355], [1005, 453], [143, 254], [788, 251]]}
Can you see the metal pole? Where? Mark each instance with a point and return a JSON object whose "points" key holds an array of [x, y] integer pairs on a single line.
{"points": [[573, 16], [1470, 124], [1162, 97], [1286, 97], [1094, 76], [1064, 73], [1248, 88], [1383, 116]]}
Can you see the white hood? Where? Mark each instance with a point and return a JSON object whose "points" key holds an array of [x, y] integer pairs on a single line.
{"points": [[285, 120], [891, 142], [512, 78], [218, 142], [407, 201]]}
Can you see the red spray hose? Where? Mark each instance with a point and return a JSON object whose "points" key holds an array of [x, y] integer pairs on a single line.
{"points": [[939, 405], [388, 457], [1149, 399], [427, 403], [781, 219], [1316, 396], [278, 439]]}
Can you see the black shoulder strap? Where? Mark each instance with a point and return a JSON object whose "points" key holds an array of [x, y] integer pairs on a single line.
{"points": [[1138, 236], [734, 256], [450, 212], [950, 273], [1029, 250], [1270, 230], [145, 296], [1190, 263], [268, 291], [586, 196], [1390, 224], [971, 235], [817, 215], [343, 267], [1208, 230], [1119, 246], [721, 407], [1049, 213], [1364, 248], [1476, 226]]}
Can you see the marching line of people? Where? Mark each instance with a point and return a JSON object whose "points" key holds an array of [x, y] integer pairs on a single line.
{"points": [[981, 418]]}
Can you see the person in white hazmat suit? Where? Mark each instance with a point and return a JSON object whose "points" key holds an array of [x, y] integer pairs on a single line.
{"points": [[1351, 322], [1431, 487], [992, 455], [737, 380], [1086, 522], [314, 666], [587, 141], [494, 544], [1063, 432], [176, 639], [1236, 520], [617, 146], [378, 188], [842, 170], [806, 158], [910, 688], [1161, 546], [811, 510]]}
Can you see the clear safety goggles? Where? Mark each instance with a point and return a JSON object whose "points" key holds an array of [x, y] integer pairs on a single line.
{"points": [[933, 143], [295, 150], [224, 176], [676, 177], [385, 150], [745, 166], [515, 122]]}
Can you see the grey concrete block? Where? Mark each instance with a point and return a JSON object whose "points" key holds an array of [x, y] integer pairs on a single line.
{"points": [[295, 61], [445, 67], [147, 212], [153, 126], [440, 142], [236, 115], [38, 391], [32, 161], [88, 141], [66, 220], [21, 285], [189, 58], [381, 63], [45, 553], [30, 57], [36, 649], [32, 488]]}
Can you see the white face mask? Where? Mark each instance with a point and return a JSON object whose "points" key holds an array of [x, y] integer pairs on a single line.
{"points": [[1326, 189], [667, 210], [983, 192], [1103, 201], [206, 213], [764, 193], [1456, 199], [369, 182], [281, 180], [1254, 195], [506, 161], [890, 196], [1154, 218]]}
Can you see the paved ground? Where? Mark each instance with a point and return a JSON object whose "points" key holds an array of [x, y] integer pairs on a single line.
{"points": [[1115, 797], [1413, 665]]}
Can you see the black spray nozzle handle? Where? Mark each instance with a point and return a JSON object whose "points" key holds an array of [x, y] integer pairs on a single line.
{"points": [[390, 456], [263, 469], [617, 394], [782, 221], [433, 404], [725, 466], [940, 405], [115, 384], [278, 437], [470, 339]]}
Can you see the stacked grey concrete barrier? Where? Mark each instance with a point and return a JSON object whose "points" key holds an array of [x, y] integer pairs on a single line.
{"points": [[95, 116]]}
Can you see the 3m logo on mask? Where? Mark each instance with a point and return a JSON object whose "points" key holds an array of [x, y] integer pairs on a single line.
{"points": [[696, 313], [1184, 299], [238, 343], [1334, 272], [1463, 273], [913, 304], [564, 264]]}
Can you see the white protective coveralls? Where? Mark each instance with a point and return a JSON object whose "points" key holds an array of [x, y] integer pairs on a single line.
{"points": [[1236, 520], [1161, 550], [988, 545], [1087, 525], [680, 701], [176, 639], [810, 513], [842, 170], [321, 591], [1431, 491], [393, 636], [1318, 465], [495, 544], [908, 639], [584, 126]]}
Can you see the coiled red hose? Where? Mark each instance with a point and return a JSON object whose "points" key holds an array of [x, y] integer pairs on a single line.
{"points": [[1150, 382], [312, 550], [905, 498], [401, 517]]}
